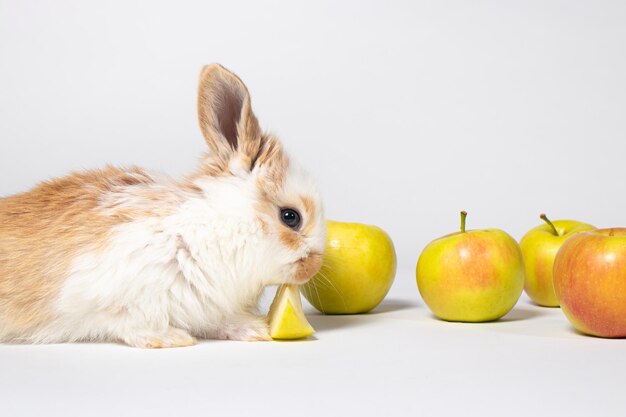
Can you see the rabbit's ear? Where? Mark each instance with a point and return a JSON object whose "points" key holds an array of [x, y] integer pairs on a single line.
{"points": [[225, 114]]}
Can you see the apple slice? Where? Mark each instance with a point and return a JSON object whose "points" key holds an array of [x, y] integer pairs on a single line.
{"points": [[286, 319]]}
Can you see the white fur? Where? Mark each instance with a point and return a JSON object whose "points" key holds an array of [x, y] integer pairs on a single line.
{"points": [[197, 271]]}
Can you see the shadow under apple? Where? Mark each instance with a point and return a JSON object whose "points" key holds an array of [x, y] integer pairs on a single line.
{"points": [[523, 313], [321, 321], [517, 314], [391, 305]]}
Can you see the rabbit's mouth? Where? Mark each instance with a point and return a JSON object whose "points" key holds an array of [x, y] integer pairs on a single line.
{"points": [[307, 267]]}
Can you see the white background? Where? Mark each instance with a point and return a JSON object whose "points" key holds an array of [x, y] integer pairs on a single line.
{"points": [[406, 112]]}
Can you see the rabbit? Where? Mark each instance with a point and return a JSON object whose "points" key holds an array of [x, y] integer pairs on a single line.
{"points": [[136, 257]]}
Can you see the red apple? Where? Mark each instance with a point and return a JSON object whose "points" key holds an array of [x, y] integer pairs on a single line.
{"points": [[590, 281]]}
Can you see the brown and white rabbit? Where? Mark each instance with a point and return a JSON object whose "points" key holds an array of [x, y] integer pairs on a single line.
{"points": [[133, 256]]}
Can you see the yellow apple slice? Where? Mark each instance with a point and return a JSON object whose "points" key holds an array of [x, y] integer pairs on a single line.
{"points": [[286, 319]]}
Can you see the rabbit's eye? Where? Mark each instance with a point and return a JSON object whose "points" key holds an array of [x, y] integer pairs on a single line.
{"points": [[290, 217]]}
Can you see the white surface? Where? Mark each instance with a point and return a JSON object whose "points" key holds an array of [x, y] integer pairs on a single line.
{"points": [[398, 360]]}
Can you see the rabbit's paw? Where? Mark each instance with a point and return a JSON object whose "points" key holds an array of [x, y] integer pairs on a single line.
{"points": [[155, 340], [251, 330]]}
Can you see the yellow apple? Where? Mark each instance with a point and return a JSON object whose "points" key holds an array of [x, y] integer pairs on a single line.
{"points": [[358, 269], [539, 248], [471, 276], [286, 318]]}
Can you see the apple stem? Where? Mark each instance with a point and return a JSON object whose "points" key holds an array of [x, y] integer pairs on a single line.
{"points": [[545, 219], [463, 216]]}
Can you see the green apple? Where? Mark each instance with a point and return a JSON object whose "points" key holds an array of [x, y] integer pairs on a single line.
{"points": [[590, 281], [471, 276], [357, 271], [539, 247]]}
